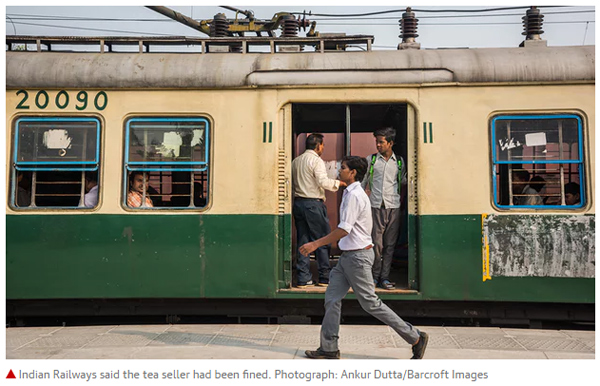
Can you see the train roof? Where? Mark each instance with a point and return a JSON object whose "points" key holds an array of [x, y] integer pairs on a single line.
{"points": [[230, 70]]}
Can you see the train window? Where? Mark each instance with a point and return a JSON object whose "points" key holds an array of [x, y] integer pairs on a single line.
{"points": [[166, 163], [56, 162], [538, 161]]}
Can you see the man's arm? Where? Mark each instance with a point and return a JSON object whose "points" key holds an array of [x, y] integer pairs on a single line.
{"points": [[335, 235], [323, 180]]}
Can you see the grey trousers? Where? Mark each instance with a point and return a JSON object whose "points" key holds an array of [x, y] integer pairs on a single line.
{"points": [[354, 270], [386, 228]]}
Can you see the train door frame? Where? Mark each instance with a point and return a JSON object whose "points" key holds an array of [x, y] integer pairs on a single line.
{"points": [[412, 197], [409, 151]]}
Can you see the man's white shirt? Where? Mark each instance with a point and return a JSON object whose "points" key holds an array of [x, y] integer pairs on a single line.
{"points": [[309, 176], [355, 218]]}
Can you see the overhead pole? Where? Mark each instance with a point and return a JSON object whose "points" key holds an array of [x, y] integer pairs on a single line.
{"points": [[178, 17]]}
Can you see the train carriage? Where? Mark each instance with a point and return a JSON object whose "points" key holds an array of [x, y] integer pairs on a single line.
{"points": [[215, 134]]}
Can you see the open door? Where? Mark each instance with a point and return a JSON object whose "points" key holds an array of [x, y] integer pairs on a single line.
{"points": [[348, 130]]}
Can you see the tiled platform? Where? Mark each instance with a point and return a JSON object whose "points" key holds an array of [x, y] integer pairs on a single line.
{"points": [[288, 342]]}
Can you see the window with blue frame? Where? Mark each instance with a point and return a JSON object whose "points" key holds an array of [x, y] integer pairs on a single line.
{"points": [[166, 163], [537, 161], [55, 162]]}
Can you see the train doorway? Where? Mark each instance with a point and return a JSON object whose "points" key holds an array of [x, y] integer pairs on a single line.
{"points": [[348, 130]]}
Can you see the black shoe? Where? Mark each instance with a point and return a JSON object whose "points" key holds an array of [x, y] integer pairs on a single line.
{"points": [[304, 285], [320, 354], [418, 348]]}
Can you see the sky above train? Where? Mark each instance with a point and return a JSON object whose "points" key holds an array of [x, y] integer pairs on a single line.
{"points": [[438, 27]]}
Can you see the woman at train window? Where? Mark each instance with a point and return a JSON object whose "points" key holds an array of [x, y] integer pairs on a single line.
{"points": [[138, 189]]}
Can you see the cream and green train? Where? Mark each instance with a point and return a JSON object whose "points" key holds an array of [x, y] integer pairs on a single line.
{"points": [[216, 133]]}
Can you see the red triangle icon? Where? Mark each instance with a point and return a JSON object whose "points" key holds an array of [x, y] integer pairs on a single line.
{"points": [[11, 375]]}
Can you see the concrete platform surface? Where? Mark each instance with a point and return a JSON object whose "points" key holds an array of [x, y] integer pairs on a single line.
{"points": [[212, 341]]}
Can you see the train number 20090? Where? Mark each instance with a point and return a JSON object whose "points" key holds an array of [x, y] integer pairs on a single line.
{"points": [[62, 100]]}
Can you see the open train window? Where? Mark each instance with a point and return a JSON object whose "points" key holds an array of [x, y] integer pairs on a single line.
{"points": [[56, 162], [166, 163], [537, 161]]}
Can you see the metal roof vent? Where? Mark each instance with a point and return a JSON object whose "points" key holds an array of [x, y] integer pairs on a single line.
{"points": [[408, 30], [532, 24]]}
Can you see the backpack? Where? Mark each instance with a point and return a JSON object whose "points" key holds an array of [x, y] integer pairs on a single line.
{"points": [[400, 171]]}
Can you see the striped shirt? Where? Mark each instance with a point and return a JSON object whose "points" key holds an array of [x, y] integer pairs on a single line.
{"points": [[134, 200]]}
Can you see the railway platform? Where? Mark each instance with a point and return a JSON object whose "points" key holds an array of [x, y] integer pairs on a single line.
{"points": [[253, 341]]}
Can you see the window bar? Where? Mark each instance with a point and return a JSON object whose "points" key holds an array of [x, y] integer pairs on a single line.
{"points": [[347, 129], [82, 195], [143, 205], [84, 157], [145, 145], [562, 165], [192, 193], [33, 182], [510, 168]]}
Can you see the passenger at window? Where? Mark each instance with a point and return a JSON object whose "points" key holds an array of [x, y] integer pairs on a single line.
{"points": [[138, 187], [384, 178], [538, 183], [572, 193], [90, 199], [309, 181], [23, 189], [523, 194]]}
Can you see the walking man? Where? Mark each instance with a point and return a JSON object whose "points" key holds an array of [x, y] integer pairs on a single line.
{"points": [[354, 268], [384, 179], [309, 180]]}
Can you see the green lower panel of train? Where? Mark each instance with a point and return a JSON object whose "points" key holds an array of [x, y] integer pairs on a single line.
{"points": [[249, 256]]}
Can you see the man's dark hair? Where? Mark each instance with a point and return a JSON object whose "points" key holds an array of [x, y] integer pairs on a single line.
{"points": [[356, 163], [387, 132], [313, 140], [522, 175], [91, 176], [572, 187], [537, 183]]}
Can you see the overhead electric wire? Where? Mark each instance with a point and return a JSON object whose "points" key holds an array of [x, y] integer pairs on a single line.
{"points": [[20, 16], [422, 10], [420, 17], [462, 24]]}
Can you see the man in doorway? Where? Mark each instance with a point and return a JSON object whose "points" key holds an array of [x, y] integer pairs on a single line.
{"points": [[309, 180], [386, 174], [354, 268]]}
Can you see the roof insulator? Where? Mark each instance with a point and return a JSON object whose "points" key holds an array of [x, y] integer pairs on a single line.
{"points": [[219, 26], [532, 23], [408, 30], [290, 26], [408, 26]]}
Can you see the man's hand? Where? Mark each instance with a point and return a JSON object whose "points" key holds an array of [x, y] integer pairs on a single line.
{"points": [[307, 248], [343, 184]]}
